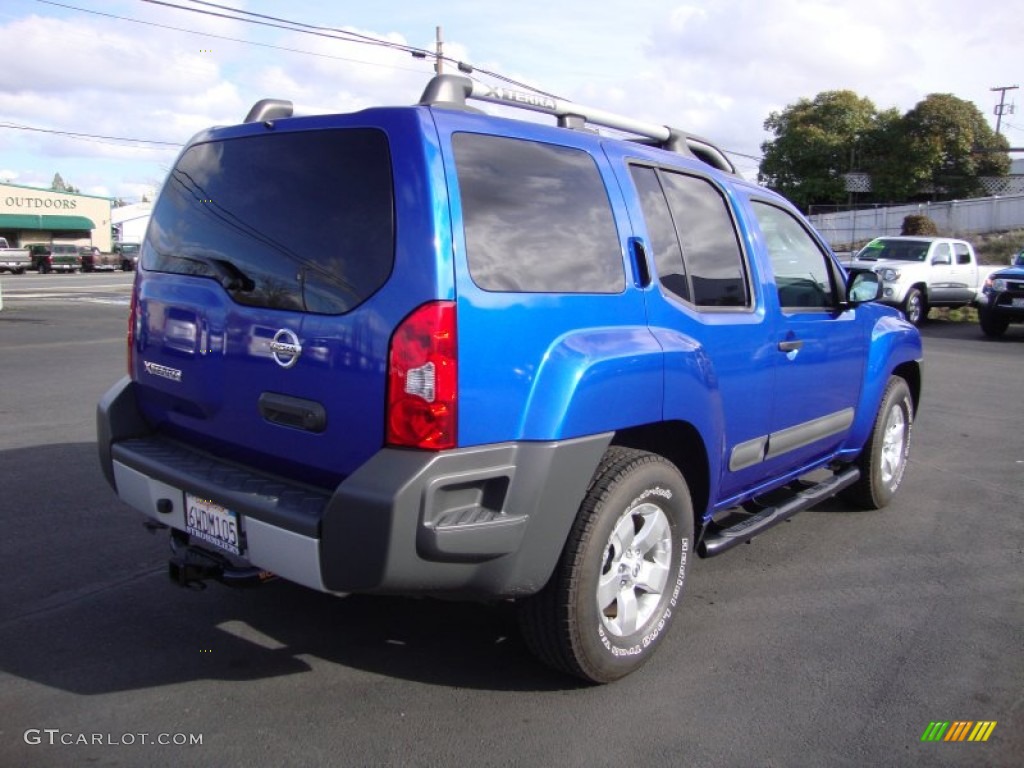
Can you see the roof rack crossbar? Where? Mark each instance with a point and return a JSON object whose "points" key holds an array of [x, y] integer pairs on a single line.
{"points": [[454, 90]]}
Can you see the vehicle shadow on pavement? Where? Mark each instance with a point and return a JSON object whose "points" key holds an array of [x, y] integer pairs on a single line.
{"points": [[88, 607], [968, 331]]}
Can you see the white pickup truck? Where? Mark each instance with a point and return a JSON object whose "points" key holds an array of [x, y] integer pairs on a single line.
{"points": [[923, 272], [13, 260]]}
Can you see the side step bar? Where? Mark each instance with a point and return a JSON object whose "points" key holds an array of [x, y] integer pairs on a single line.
{"points": [[718, 539]]}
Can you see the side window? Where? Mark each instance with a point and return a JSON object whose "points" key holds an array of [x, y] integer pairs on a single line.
{"points": [[711, 249], [941, 254], [963, 256], [537, 217], [668, 257], [802, 275]]}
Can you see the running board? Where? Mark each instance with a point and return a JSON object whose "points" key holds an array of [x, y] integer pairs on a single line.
{"points": [[718, 539]]}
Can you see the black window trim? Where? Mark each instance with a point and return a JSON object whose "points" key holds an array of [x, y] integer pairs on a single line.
{"points": [[659, 168]]}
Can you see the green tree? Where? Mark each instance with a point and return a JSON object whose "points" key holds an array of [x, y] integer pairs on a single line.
{"points": [[58, 185], [815, 143], [937, 150], [949, 145]]}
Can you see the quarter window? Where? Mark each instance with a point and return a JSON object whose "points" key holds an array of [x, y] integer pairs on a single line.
{"points": [[537, 218]]}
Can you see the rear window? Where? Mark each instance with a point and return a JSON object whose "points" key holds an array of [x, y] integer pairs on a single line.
{"points": [[300, 221], [537, 218]]}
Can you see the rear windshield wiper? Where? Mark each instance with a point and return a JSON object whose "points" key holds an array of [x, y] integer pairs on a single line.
{"points": [[227, 273]]}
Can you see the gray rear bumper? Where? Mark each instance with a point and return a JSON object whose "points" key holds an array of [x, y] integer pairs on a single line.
{"points": [[480, 521]]}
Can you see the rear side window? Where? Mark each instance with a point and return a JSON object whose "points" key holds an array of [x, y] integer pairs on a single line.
{"points": [[301, 221], [696, 248], [537, 218]]}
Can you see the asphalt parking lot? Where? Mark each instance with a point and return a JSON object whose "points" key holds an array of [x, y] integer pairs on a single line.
{"points": [[833, 640]]}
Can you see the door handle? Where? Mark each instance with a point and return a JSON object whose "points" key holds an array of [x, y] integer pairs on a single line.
{"points": [[790, 346]]}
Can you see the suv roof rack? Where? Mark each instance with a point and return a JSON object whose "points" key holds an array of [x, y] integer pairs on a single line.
{"points": [[452, 91]]}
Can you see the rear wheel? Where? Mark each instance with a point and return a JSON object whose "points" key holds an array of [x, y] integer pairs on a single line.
{"points": [[884, 459], [618, 584]]}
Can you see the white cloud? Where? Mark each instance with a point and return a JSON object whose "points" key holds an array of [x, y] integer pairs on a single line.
{"points": [[713, 68]]}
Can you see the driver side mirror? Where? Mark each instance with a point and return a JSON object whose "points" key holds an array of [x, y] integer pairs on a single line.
{"points": [[865, 286]]}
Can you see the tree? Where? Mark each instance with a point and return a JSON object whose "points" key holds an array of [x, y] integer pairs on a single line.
{"points": [[937, 150], [950, 145], [58, 185], [815, 144]]}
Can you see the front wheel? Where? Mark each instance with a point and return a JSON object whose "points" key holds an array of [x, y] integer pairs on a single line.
{"points": [[883, 462], [914, 307], [620, 578], [992, 326]]}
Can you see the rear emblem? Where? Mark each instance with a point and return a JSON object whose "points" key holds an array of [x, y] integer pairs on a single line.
{"points": [[164, 372], [285, 348]]}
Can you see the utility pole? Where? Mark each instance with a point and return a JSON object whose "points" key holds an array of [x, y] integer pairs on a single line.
{"points": [[439, 59], [1000, 109]]}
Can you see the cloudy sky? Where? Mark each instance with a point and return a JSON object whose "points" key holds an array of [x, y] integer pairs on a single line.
{"points": [[156, 74]]}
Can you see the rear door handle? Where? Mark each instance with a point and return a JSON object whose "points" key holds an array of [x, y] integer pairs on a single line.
{"points": [[790, 346]]}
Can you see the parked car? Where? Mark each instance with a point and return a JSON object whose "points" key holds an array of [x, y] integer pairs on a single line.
{"points": [[127, 255], [923, 272], [13, 260], [494, 359], [94, 259], [1003, 299], [39, 253], [59, 257]]}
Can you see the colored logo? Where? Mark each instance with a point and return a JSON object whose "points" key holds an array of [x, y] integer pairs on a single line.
{"points": [[958, 730]]}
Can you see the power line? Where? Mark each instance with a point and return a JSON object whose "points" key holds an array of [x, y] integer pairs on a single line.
{"points": [[333, 33], [226, 37], [93, 136]]}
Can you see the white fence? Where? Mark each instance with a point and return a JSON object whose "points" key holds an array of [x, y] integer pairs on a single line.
{"points": [[958, 218]]}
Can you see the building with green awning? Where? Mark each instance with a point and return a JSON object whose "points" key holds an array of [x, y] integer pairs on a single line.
{"points": [[31, 215]]}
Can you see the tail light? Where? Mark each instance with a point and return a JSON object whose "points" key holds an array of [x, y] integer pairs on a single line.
{"points": [[423, 379]]}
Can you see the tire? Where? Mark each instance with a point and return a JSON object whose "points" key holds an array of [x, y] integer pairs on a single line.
{"points": [[617, 586], [915, 308], [883, 461], [992, 326], [126, 266]]}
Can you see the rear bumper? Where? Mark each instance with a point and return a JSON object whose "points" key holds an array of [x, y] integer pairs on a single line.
{"points": [[480, 521]]}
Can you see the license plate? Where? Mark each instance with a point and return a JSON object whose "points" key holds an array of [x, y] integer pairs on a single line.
{"points": [[1019, 303], [213, 524]]}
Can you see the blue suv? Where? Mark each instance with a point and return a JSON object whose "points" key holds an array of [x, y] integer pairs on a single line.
{"points": [[429, 350]]}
